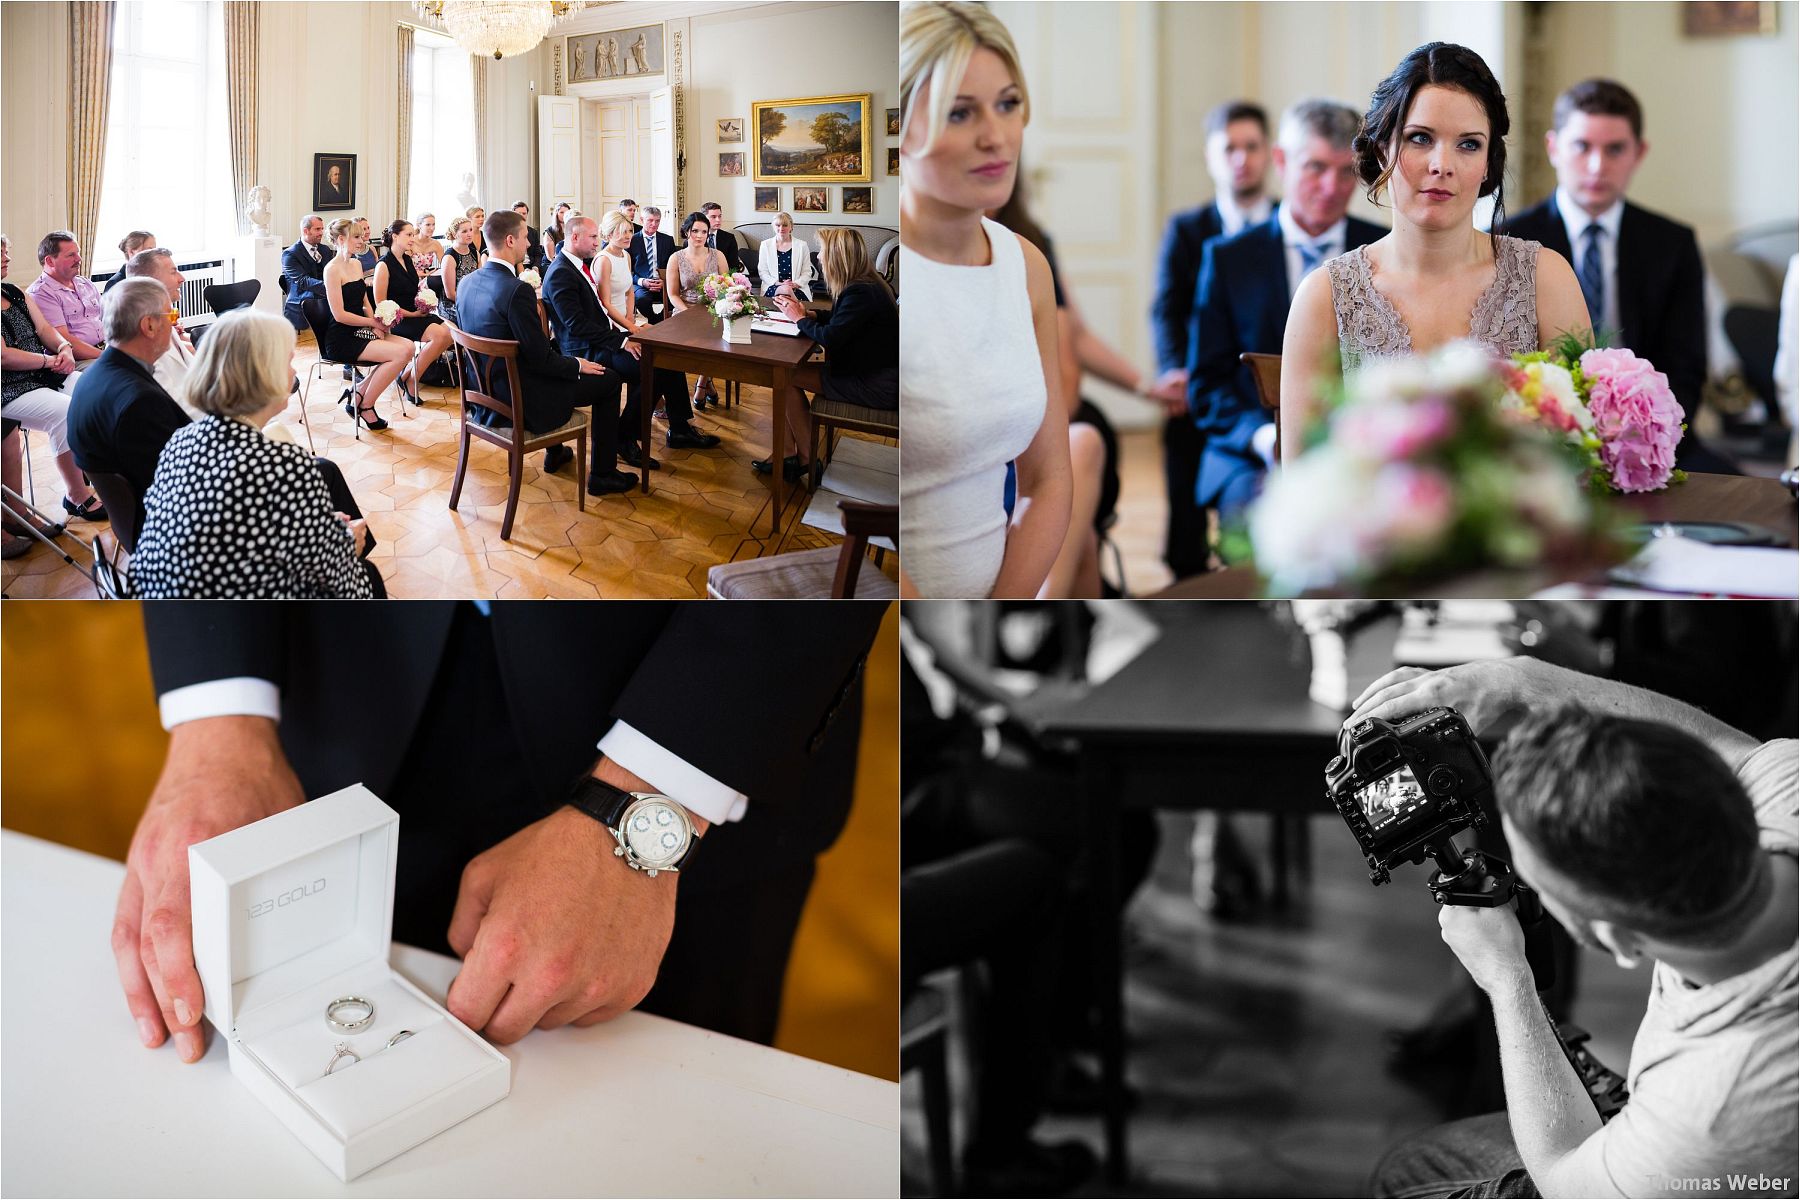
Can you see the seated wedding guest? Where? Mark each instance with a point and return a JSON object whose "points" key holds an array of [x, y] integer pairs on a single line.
{"points": [[784, 258], [357, 335], [535, 258], [553, 232], [67, 298], [461, 259], [478, 215], [426, 248], [683, 276], [1241, 299], [651, 251], [397, 279], [129, 246], [303, 269], [583, 332], [1237, 159], [495, 303], [232, 513], [172, 365], [35, 386], [1657, 835], [367, 257], [629, 207], [1433, 141], [988, 330], [1640, 273], [721, 238], [15, 542], [611, 270], [861, 337]]}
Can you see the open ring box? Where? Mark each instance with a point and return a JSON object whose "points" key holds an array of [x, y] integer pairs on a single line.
{"points": [[295, 911]]}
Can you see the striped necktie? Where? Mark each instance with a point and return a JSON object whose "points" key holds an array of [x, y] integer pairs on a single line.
{"points": [[1592, 274]]}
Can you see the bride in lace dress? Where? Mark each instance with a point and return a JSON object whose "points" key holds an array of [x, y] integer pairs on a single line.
{"points": [[1434, 140]]}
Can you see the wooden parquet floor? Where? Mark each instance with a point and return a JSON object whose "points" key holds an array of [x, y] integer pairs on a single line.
{"points": [[700, 510]]}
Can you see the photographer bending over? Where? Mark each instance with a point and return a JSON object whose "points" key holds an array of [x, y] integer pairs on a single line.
{"points": [[1654, 833]]}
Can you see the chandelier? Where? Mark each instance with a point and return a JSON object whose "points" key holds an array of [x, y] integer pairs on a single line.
{"points": [[502, 28]]}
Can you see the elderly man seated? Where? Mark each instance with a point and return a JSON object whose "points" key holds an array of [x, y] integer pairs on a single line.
{"points": [[172, 368], [67, 298]]}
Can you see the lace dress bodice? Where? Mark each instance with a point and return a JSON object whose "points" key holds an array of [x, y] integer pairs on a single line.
{"points": [[1504, 317]]}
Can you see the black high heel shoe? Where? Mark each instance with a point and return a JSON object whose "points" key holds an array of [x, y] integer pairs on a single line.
{"points": [[409, 394], [360, 415]]}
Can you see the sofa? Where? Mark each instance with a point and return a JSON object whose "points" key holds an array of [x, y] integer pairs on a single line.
{"points": [[883, 244]]}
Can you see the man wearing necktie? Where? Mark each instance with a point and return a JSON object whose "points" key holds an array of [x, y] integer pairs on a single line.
{"points": [[303, 269]]}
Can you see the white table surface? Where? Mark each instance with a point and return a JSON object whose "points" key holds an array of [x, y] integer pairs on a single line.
{"points": [[640, 1106]]}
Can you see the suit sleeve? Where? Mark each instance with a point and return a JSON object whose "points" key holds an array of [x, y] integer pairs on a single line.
{"points": [[738, 651], [301, 285], [1170, 308], [1213, 347], [850, 311], [574, 320], [536, 354], [1681, 351], [143, 430], [200, 641]]}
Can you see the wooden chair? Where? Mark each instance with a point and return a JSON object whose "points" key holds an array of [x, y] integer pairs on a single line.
{"points": [[478, 393], [814, 574], [829, 415], [121, 501], [1266, 370]]}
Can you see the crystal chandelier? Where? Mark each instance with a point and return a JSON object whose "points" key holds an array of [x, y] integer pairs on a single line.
{"points": [[502, 28]]}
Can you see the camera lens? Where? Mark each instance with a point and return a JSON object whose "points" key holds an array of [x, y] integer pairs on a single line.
{"points": [[1442, 781]]}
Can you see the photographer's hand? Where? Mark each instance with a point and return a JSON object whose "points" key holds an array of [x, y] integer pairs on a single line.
{"points": [[220, 773], [1489, 943], [1485, 693]]}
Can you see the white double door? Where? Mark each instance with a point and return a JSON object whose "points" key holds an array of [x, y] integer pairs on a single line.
{"points": [[594, 153]]}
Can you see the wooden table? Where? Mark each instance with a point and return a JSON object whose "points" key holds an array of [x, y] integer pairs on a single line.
{"points": [[1752, 500], [688, 341]]}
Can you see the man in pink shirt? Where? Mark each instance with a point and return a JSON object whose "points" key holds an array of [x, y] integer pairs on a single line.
{"points": [[68, 299]]}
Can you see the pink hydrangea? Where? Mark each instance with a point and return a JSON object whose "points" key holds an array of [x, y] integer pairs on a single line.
{"points": [[1637, 417]]}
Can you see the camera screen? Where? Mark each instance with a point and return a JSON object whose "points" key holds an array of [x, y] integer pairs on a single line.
{"points": [[1391, 798]]}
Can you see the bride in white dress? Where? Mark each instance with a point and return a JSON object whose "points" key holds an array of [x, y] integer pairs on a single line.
{"points": [[978, 339]]}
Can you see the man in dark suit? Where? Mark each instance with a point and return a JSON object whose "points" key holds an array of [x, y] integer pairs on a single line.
{"points": [[1246, 285], [303, 269], [495, 720], [1237, 158], [651, 251], [534, 245], [721, 238], [494, 303], [1640, 272]]}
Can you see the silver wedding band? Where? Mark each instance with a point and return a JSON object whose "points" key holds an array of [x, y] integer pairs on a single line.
{"points": [[340, 1014], [397, 1039]]}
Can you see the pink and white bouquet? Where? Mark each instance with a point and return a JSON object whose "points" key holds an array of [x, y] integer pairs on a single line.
{"points": [[730, 296], [1419, 472], [387, 312], [427, 298], [1612, 406]]}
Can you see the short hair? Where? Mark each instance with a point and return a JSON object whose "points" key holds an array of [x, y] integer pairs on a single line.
{"points": [[1645, 819], [129, 303], [1599, 97], [692, 219], [937, 39], [52, 244], [711, 207], [134, 241], [649, 210], [243, 364], [628, 202], [1221, 117], [1444, 65], [501, 225], [1336, 123], [608, 225], [308, 219], [782, 218], [144, 262], [338, 230], [521, 204]]}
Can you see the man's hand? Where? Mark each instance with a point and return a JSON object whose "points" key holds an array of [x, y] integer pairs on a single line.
{"points": [[553, 928], [1485, 693], [63, 361], [220, 773], [1489, 943], [589, 367], [1170, 390]]}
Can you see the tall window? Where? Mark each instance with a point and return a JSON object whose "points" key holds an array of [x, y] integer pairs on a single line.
{"points": [[443, 127], [168, 146]]}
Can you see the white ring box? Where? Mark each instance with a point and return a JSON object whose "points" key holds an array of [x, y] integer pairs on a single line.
{"points": [[293, 912]]}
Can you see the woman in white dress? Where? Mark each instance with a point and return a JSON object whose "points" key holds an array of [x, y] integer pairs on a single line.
{"points": [[978, 345]]}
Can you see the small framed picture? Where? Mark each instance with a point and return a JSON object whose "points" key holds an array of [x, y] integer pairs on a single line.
{"points": [[893, 122], [731, 129], [768, 199], [893, 160], [1723, 19], [858, 199], [812, 199], [334, 182], [731, 165]]}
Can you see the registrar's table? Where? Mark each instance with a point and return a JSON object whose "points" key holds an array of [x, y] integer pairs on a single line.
{"points": [[640, 1106]]}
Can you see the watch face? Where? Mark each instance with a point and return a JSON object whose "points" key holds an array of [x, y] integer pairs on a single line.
{"points": [[655, 832]]}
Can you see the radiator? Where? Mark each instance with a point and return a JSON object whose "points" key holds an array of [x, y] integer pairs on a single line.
{"points": [[196, 278]]}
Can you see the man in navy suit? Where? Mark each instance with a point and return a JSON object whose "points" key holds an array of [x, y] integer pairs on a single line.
{"points": [[1640, 272], [494, 303], [303, 269], [1246, 285], [1237, 158], [650, 253]]}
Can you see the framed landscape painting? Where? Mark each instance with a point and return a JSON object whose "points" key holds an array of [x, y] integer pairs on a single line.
{"points": [[768, 199], [819, 139], [859, 199]]}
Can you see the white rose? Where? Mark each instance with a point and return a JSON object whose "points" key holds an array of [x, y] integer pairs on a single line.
{"points": [[532, 277], [386, 311], [427, 297]]}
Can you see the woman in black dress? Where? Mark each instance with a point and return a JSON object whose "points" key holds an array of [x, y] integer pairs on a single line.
{"points": [[397, 279], [357, 335]]}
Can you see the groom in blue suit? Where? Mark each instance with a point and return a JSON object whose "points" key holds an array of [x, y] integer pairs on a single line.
{"points": [[1246, 285]]}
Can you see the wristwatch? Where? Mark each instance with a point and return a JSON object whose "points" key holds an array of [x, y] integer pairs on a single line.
{"points": [[652, 831]]}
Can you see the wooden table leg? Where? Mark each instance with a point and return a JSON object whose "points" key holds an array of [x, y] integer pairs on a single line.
{"points": [[778, 455], [646, 402]]}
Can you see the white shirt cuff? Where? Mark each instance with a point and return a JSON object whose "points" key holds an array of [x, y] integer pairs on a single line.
{"points": [[674, 777], [243, 696]]}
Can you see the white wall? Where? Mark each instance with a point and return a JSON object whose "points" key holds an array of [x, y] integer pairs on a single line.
{"points": [[34, 175]]}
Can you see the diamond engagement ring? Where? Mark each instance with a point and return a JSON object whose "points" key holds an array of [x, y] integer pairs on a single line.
{"points": [[347, 1014], [343, 1051]]}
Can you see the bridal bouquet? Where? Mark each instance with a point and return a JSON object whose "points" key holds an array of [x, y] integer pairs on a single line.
{"points": [[730, 296], [533, 278], [1421, 473], [1613, 407], [427, 298], [387, 312]]}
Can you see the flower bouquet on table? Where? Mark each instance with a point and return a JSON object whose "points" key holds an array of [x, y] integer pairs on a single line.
{"points": [[731, 300], [1417, 472], [1613, 407]]}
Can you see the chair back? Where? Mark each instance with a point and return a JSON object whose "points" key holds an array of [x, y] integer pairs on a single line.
{"points": [[1265, 369], [223, 297], [862, 521], [317, 312], [122, 506], [478, 359]]}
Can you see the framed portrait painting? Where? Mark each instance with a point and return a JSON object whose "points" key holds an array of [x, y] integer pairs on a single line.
{"points": [[812, 199], [768, 199], [819, 139], [334, 182]]}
